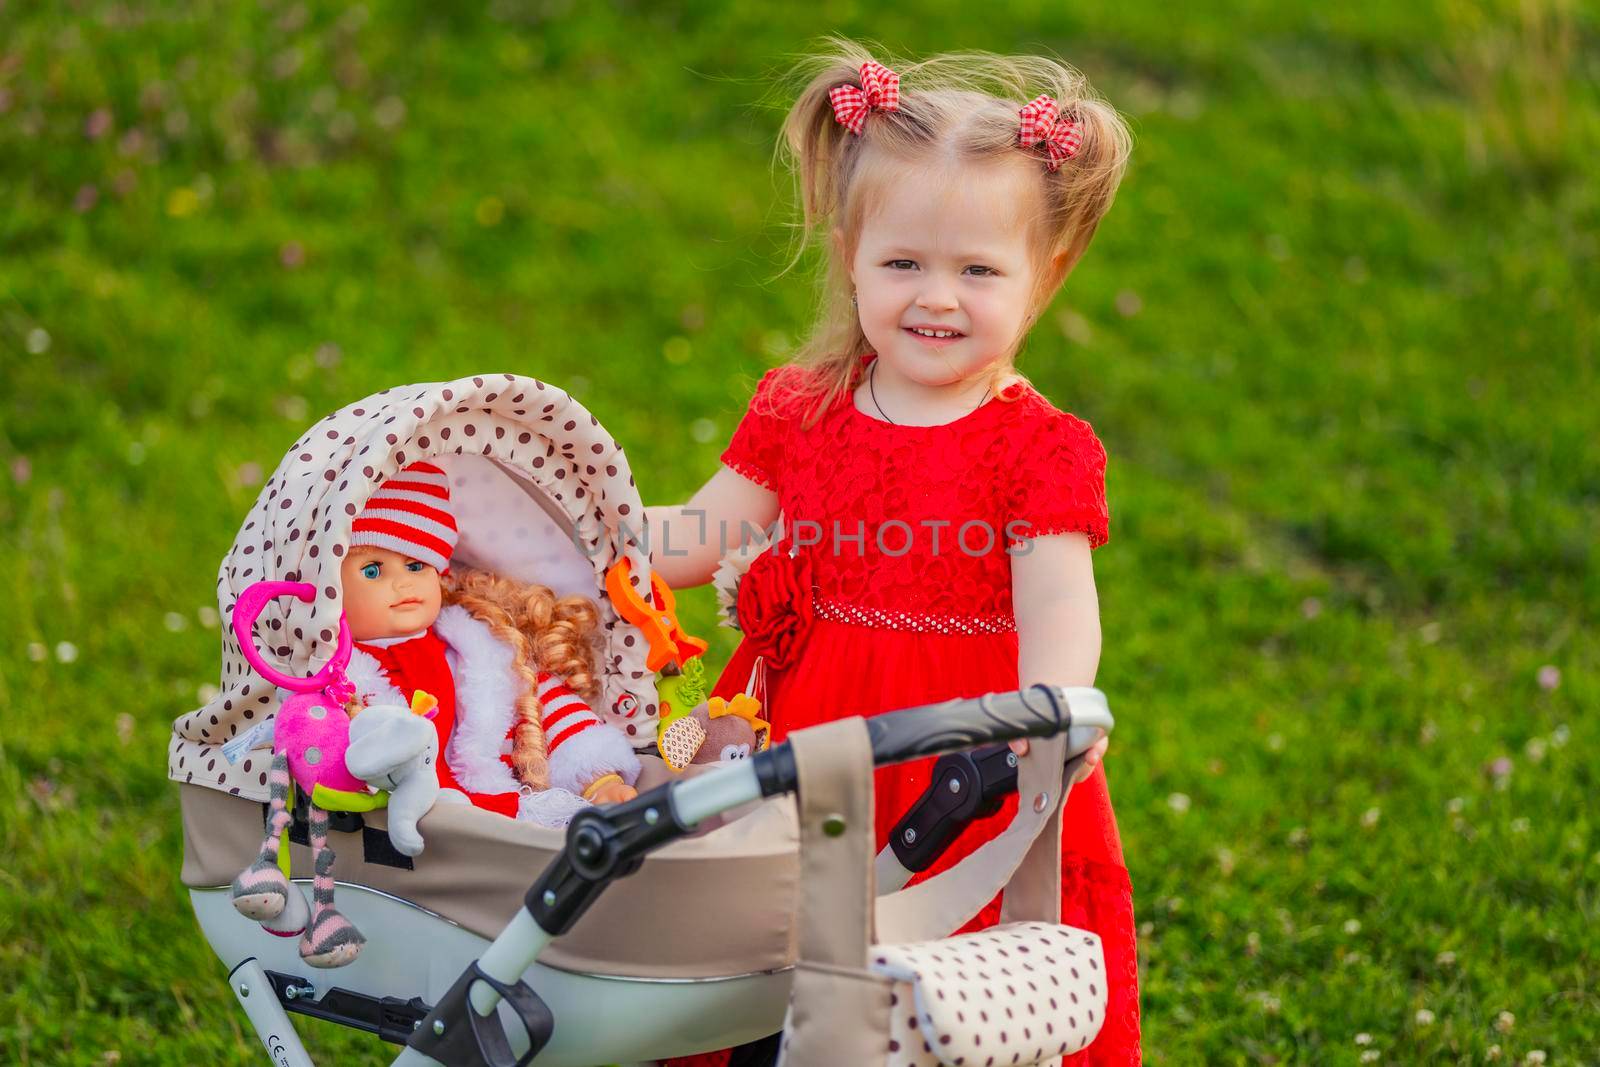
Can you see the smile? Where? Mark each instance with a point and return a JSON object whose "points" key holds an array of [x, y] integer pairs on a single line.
{"points": [[932, 335]]}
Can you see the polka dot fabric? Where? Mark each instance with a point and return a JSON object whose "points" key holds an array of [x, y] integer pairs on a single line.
{"points": [[299, 530], [1022, 993]]}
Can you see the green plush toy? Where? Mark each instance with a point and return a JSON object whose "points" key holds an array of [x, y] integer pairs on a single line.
{"points": [[679, 694]]}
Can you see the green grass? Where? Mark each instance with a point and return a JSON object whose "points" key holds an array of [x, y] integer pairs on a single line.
{"points": [[1338, 334]]}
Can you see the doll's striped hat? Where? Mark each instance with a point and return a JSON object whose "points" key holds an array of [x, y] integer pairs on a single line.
{"points": [[410, 514]]}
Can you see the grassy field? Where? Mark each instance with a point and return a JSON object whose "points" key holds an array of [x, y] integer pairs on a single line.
{"points": [[1338, 335]]}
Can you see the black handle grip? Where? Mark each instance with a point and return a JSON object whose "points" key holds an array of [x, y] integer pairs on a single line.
{"points": [[934, 729]]}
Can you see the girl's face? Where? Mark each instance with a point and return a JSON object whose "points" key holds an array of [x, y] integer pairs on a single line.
{"points": [[387, 594], [943, 274]]}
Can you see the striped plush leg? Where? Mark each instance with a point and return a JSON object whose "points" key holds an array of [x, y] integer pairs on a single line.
{"points": [[331, 940], [261, 890]]}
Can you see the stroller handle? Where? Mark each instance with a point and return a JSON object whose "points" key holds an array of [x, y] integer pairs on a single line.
{"points": [[606, 844], [955, 725]]}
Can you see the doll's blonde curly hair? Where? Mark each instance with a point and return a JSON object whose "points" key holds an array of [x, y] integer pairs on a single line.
{"points": [[546, 632]]}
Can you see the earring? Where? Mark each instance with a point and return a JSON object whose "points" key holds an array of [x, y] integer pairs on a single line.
{"points": [[853, 301]]}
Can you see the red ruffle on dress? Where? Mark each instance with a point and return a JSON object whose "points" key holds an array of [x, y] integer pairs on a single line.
{"points": [[909, 585]]}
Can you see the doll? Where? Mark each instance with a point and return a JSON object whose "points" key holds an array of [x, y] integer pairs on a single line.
{"points": [[511, 665]]}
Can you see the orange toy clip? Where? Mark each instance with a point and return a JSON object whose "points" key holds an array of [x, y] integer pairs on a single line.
{"points": [[658, 621]]}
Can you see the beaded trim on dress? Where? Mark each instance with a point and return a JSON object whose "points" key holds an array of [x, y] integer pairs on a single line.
{"points": [[915, 622]]}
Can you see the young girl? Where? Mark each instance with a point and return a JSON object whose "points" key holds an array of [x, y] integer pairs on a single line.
{"points": [[938, 511]]}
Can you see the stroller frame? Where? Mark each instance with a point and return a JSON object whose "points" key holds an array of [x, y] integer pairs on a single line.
{"points": [[467, 1027]]}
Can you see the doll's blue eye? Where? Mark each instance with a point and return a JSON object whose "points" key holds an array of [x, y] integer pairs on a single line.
{"points": [[370, 570], [415, 566]]}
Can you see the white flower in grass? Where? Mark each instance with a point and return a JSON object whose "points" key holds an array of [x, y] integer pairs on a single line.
{"points": [[390, 112], [1267, 1002], [175, 622], [207, 616], [1371, 1055], [1504, 1022], [1178, 802], [1535, 749], [1445, 958], [1492, 1052], [1363, 1038], [1252, 944], [1549, 677], [1560, 736], [1455, 805], [1275, 742], [38, 341], [1299, 836], [1519, 826], [1534, 1056], [1424, 1017], [125, 727], [37, 652], [1225, 861], [1370, 817], [1352, 926], [66, 652]]}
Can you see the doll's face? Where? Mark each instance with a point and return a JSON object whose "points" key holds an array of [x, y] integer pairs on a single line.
{"points": [[387, 594]]}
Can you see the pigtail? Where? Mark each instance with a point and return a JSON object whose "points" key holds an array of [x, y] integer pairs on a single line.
{"points": [[821, 153], [1086, 185]]}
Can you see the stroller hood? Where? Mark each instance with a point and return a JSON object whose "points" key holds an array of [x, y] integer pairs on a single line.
{"points": [[541, 493]]}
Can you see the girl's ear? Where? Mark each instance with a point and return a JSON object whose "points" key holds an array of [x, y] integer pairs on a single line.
{"points": [[1060, 264], [845, 252]]}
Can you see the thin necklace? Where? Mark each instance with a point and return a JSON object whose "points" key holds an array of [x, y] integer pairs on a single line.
{"points": [[873, 392]]}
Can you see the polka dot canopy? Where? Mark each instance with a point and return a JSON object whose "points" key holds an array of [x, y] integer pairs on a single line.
{"points": [[513, 440]]}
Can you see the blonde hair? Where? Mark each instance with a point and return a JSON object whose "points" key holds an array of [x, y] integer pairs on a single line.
{"points": [[957, 107], [546, 633]]}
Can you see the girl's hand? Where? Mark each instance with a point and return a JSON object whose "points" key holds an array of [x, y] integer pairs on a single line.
{"points": [[1091, 758], [613, 793]]}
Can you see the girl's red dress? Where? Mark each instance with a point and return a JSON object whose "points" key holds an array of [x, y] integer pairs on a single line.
{"points": [[910, 603]]}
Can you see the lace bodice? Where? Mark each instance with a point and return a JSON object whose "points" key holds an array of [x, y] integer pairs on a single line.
{"points": [[919, 519]]}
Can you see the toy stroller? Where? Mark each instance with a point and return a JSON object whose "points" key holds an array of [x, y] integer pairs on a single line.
{"points": [[464, 962]]}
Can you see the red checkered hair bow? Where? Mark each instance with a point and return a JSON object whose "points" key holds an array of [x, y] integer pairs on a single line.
{"points": [[1042, 123], [879, 91]]}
